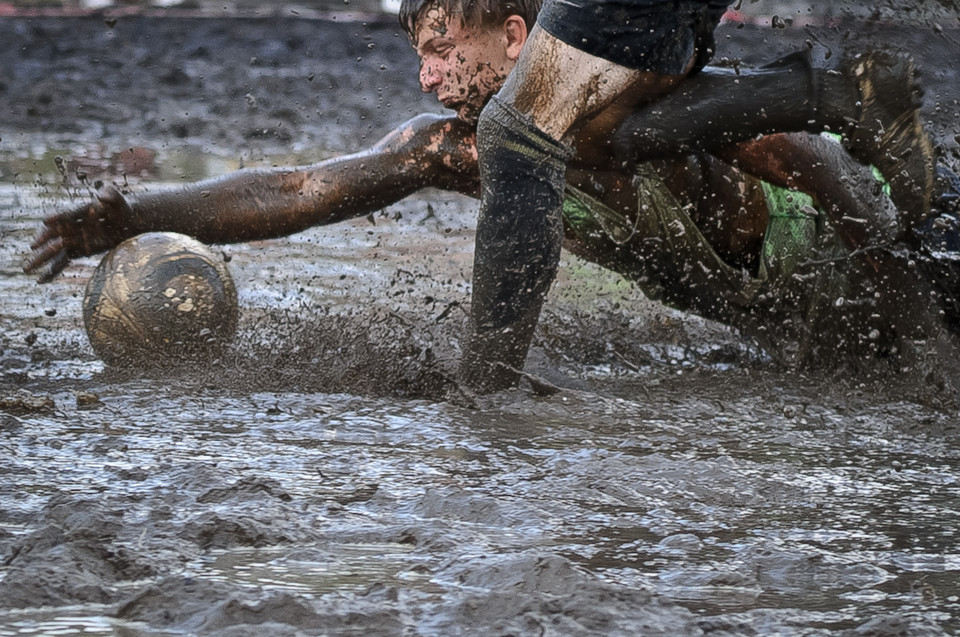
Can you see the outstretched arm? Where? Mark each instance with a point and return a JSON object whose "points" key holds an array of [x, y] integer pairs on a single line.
{"points": [[260, 204]]}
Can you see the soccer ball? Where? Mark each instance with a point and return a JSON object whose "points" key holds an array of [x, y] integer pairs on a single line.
{"points": [[160, 299]]}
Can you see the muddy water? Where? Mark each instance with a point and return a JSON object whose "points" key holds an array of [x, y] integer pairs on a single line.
{"points": [[684, 493], [324, 476]]}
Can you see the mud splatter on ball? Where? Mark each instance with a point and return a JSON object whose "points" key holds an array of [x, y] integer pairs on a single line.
{"points": [[160, 299]]}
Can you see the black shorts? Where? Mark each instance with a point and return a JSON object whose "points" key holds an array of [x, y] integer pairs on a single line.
{"points": [[659, 36]]}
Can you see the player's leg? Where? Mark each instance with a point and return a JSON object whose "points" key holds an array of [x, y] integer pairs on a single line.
{"points": [[872, 99], [582, 55], [522, 171]]}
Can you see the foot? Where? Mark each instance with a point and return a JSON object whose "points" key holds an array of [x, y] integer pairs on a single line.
{"points": [[888, 132]]}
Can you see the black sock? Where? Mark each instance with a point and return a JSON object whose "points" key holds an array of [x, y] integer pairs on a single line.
{"points": [[519, 233]]}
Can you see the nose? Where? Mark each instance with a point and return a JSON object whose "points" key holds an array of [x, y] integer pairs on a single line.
{"points": [[429, 77]]}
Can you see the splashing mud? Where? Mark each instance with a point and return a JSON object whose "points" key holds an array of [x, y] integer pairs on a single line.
{"points": [[325, 476]]}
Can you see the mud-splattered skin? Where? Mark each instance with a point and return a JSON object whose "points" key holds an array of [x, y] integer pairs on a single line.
{"points": [[248, 205], [465, 66]]}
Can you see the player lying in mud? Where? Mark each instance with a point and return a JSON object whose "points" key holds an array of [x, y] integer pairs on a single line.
{"points": [[809, 275]]}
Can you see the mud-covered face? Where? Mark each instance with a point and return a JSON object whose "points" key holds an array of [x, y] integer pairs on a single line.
{"points": [[463, 66]]}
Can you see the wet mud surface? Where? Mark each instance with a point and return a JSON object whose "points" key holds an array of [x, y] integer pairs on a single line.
{"points": [[113, 94], [317, 480]]}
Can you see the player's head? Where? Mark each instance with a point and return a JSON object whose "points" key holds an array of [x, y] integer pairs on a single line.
{"points": [[467, 47]]}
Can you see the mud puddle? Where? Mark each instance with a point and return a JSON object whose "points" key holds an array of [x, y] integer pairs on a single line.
{"points": [[211, 511], [676, 497], [317, 480]]}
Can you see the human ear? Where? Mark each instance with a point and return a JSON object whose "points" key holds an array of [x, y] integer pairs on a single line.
{"points": [[516, 31]]}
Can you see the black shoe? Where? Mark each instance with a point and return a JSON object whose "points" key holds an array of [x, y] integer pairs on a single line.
{"points": [[888, 132]]}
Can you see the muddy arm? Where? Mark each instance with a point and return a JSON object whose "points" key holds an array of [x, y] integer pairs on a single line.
{"points": [[261, 204], [844, 188]]}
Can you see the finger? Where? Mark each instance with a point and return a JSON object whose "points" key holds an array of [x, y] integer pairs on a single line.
{"points": [[48, 233], [42, 254], [57, 264], [110, 195], [114, 206], [52, 230]]}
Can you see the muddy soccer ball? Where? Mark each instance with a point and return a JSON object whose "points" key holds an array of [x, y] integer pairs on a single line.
{"points": [[160, 299]]}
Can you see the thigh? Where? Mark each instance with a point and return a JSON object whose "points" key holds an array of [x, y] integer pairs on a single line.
{"points": [[560, 86]]}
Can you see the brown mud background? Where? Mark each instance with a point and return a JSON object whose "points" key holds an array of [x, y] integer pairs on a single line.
{"points": [[311, 482]]}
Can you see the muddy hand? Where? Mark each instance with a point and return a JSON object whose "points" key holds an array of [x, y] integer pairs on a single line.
{"points": [[78, 232]]}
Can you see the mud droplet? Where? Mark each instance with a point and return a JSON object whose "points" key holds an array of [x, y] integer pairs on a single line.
{"points": [[87, 400]]}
